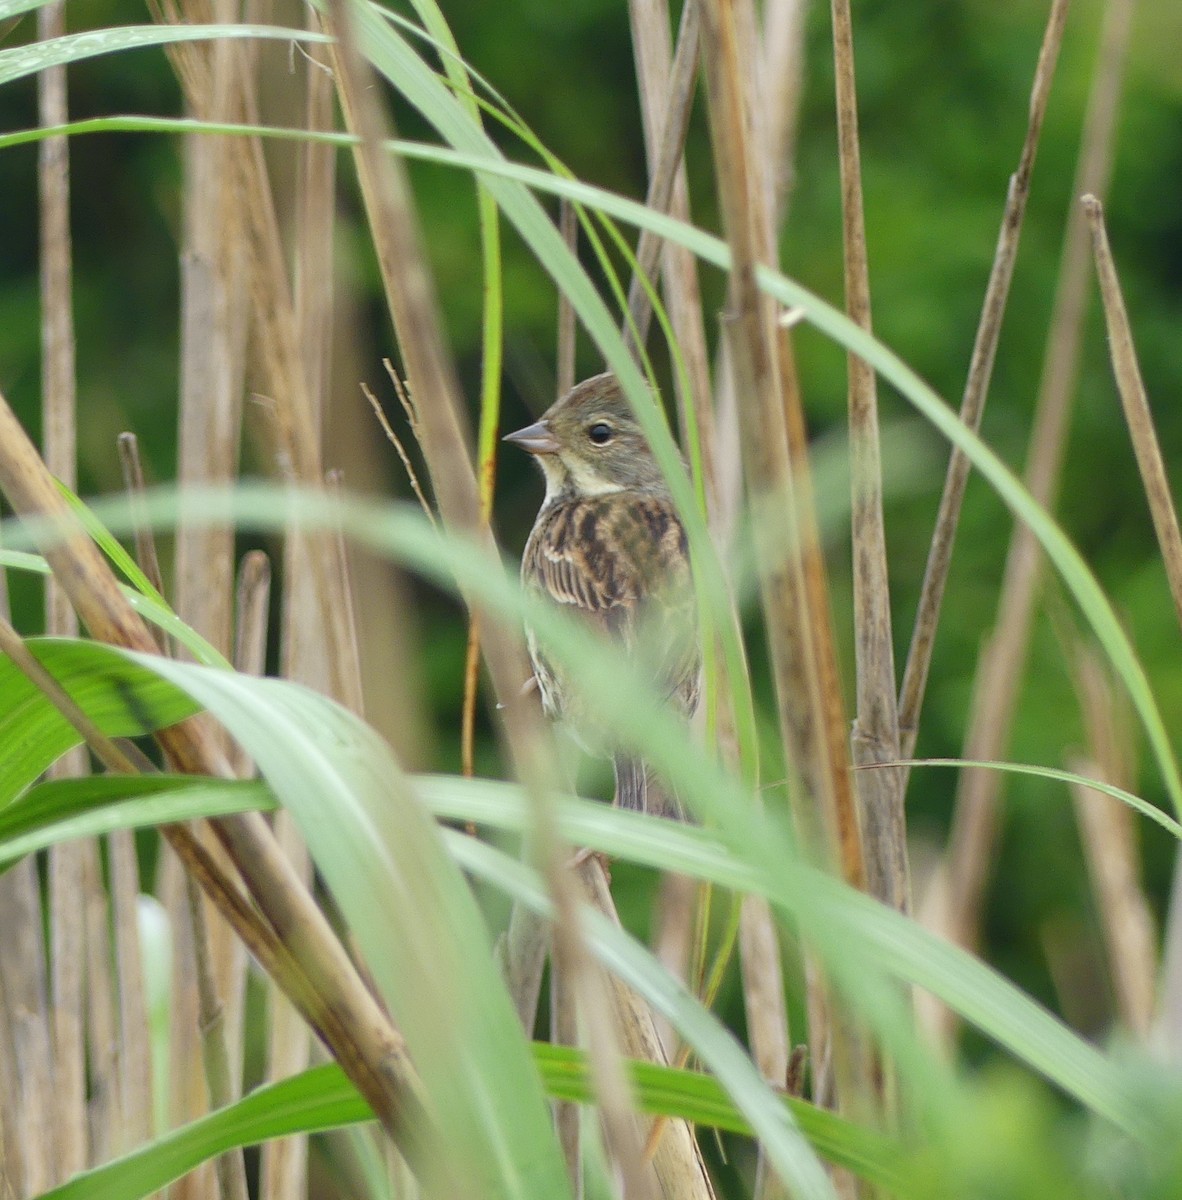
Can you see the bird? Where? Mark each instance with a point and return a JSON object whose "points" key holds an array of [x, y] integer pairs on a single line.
{"points": [[609, 546]]}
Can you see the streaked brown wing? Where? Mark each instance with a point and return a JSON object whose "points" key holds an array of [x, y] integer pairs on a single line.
{"points": [[622, 561]]}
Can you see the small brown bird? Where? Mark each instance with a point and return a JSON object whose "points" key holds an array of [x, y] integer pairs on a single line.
{"points": [[608, 543]]}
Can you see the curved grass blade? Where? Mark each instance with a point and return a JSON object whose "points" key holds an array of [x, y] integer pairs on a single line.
{"points": [[148, 606], [21, 61], [64, 809], [412, 914], [323, 1099], [878, 938], [122, 698]]}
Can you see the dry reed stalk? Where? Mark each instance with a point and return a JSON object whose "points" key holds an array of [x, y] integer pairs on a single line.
{"points": [[972, 405], [103, 1056], [135, 1096], [783, 75], [222, 1081], [564, 1031], [567, 339], [666, 83], [765, 1007], [676, 1159], [306, 651], [782, 62], [295, 446], [677, 921], [974, 822], [288, 934], [875, 735], [27, 1051], [775, 457], [68, 898], [1135, 403], [136, 1084], [1108, 830], [209, 965], [1139, 418]]}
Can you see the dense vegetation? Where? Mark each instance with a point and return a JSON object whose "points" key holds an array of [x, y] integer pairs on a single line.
{"points": [[943, 95]]}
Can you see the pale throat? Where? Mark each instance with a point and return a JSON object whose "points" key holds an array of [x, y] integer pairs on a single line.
{"points": [[565, 477]]}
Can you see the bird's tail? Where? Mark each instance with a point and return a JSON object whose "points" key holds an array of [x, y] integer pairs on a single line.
{"points": [[640, 790]]}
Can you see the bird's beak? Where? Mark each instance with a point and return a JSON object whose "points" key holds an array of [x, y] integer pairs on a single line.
{"points": [[536, 438]]}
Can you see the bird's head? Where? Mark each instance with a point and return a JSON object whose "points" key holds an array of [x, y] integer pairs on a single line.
{"points": [[588, 443]]}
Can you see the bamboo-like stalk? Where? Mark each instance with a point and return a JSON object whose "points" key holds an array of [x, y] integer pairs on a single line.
{"points": [[875, 736], [792, 584], [676, 1159], [208, 975], [564, 1031], [136, 1100], [666, 81], [972, 405], [27, 1051], [566, 340], [221, 1083], [783, 75], [306, 647], [974, 823], [68, 897]]}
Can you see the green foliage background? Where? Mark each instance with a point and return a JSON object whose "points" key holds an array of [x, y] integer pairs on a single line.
{"points": [[943, 90]]}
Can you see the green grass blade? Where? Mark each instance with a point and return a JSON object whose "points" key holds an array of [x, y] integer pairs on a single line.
{"points": [[412, 914], [121, 698], [65, 809], [21, 61], [323, 1099]]}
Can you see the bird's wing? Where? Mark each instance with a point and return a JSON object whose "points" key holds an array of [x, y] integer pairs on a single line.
{"points": [[623, 565]]}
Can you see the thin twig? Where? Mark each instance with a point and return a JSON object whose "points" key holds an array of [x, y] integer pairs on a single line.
{"points": [[396, 442]]}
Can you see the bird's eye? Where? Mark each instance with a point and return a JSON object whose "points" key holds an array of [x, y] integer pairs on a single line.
{"points": [[600, 433]]}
